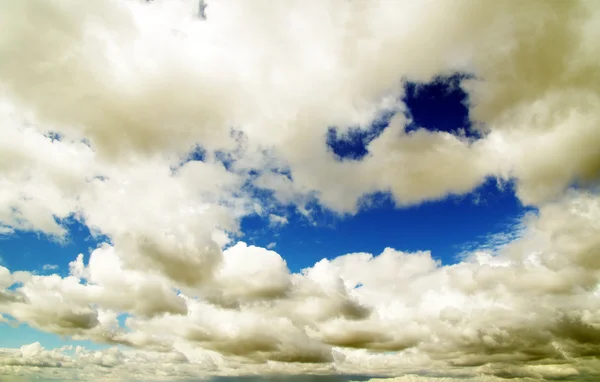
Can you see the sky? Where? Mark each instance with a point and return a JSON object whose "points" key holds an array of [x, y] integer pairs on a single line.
{"points": [[299, 190]]}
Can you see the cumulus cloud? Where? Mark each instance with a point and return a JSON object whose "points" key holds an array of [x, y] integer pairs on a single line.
{"points": [[283, 94], [252, 272], [528, 310], [76, 363], [104, 115]]}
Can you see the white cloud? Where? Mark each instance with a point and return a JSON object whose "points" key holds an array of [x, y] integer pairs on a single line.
{"points": [[130, 93], [496, 314], [79, 363], [284, 90], [276, 220]]}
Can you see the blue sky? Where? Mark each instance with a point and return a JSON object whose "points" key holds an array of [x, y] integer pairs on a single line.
{"points": [[455, 222]]}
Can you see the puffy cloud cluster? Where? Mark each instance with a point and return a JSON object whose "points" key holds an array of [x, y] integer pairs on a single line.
{"points": [[77, 363], [159, 128], [155, 79], [529, 310]]}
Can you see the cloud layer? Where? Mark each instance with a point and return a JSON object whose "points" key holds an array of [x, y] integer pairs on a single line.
{"points": [[159, 130]]}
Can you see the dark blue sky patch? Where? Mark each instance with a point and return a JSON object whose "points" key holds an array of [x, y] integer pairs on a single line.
{"points": [[353, 144], [440, 105], [264, 196], [255, 226], [197, 154], [229, 158], [442, 226], [226, 158]]}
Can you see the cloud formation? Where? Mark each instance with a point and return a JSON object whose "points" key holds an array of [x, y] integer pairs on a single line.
{"points": [[527, 310], [104, 103]]}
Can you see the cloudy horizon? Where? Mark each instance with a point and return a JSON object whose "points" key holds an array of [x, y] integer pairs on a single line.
{"points": [[306, 190]]}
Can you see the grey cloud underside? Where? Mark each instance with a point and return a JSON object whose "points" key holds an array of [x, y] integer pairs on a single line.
{"points": [[128, 89]]}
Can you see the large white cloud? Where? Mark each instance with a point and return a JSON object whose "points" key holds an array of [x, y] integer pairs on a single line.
{"points": [[155, 79], [103, 101]]}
